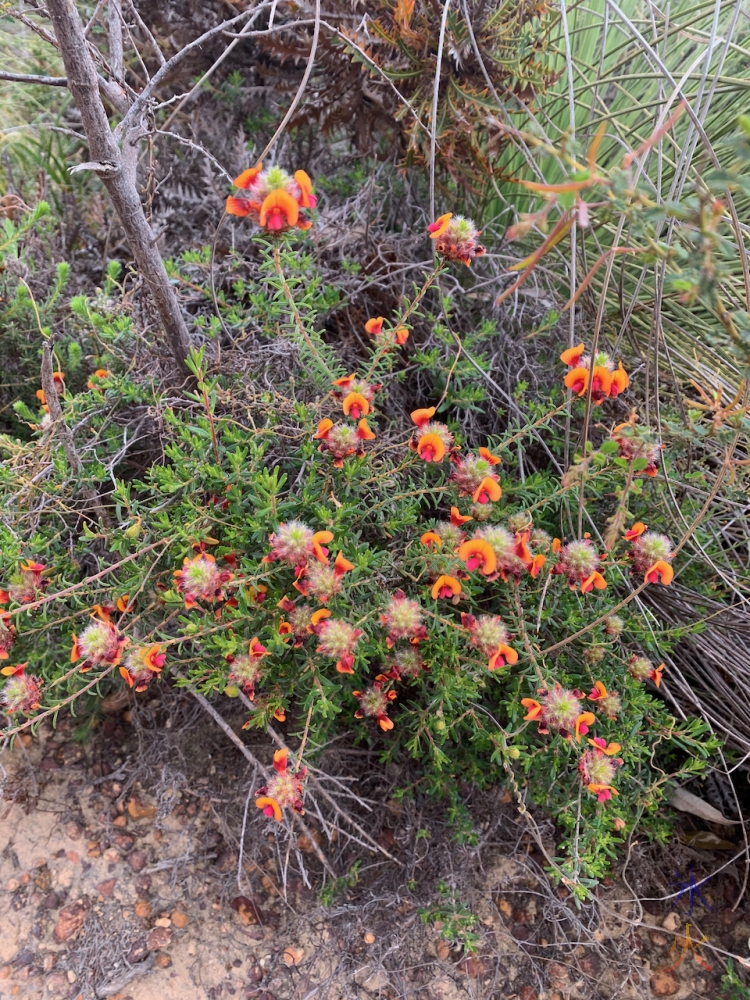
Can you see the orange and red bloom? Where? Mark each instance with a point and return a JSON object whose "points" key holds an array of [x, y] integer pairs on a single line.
{"points": [[373, 703], [142, 665], [432, 439], [406, 663], [403, 619], [322, 580], [374, 326], [475, 476], [511, 552], [245, 668], [274, 200], [446, 587], [338, 640], [478, 554], [285, 790], [561, 710], [294, 543], [632, 446], [200, 579], [490, 637], [343, 440], [579, 562], [298, 625], [598, 767], [606, 381], [651, 554], [7, 636], [642, 669], [609, 701], [355, 394], [100, 644], [27, 585], [456, 238], [21, 692]]}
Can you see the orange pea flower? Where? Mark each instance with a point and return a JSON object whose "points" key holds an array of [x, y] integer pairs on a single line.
{"points": [[374, 326], [595, 580], [430, 539], [502, 656], [536, 565], [364, 431], [402, 335], [99, 374], [430, 448], [638, 528], [487, 454], [446, 586], [439, 226], [422, 417], [534, 709], [278, 211], [488, 489], [610, 749], [459, 519], [356, 405], [284, 790], [572, 356], [660, 572], [584, 720], [478, 554]]}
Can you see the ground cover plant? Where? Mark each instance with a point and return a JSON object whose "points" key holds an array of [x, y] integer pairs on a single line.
{"points": [[469, 495]]}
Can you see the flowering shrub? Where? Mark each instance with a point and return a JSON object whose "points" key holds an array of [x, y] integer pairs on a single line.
{"points": [[418, 594]]}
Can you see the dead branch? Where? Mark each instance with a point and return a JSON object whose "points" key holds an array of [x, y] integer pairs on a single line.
{"points": [[117, 168]]}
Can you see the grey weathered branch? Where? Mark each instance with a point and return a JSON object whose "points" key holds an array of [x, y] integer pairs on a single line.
{"points": [[49, 81], [119, 171]]}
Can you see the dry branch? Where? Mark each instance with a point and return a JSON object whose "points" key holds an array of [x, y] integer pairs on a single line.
{"points": [[117, 168]]}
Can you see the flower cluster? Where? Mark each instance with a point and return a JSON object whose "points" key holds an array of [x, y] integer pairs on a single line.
{"points": [[296, 544], [245, 668], [609, 701], [651, 554], [274, 200], [642, 669], [633, 445], [373, 703], [337, 639], [490, 636], [141, 665], [100, 644], [474, 476], [355, 394], [374, 327], [27, 585], [598, 766], [298, 621], [22, 692], [343, 440], [606, 382], [7, 636], [561, 710], [406, 663], [403, 619], [446, 535], [285, 789], [579, 562], [431, 439], [321, 580], [456, 238], [200, 579]]}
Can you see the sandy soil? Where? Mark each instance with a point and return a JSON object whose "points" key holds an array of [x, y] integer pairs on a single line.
{"points": [[126, 888]]}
